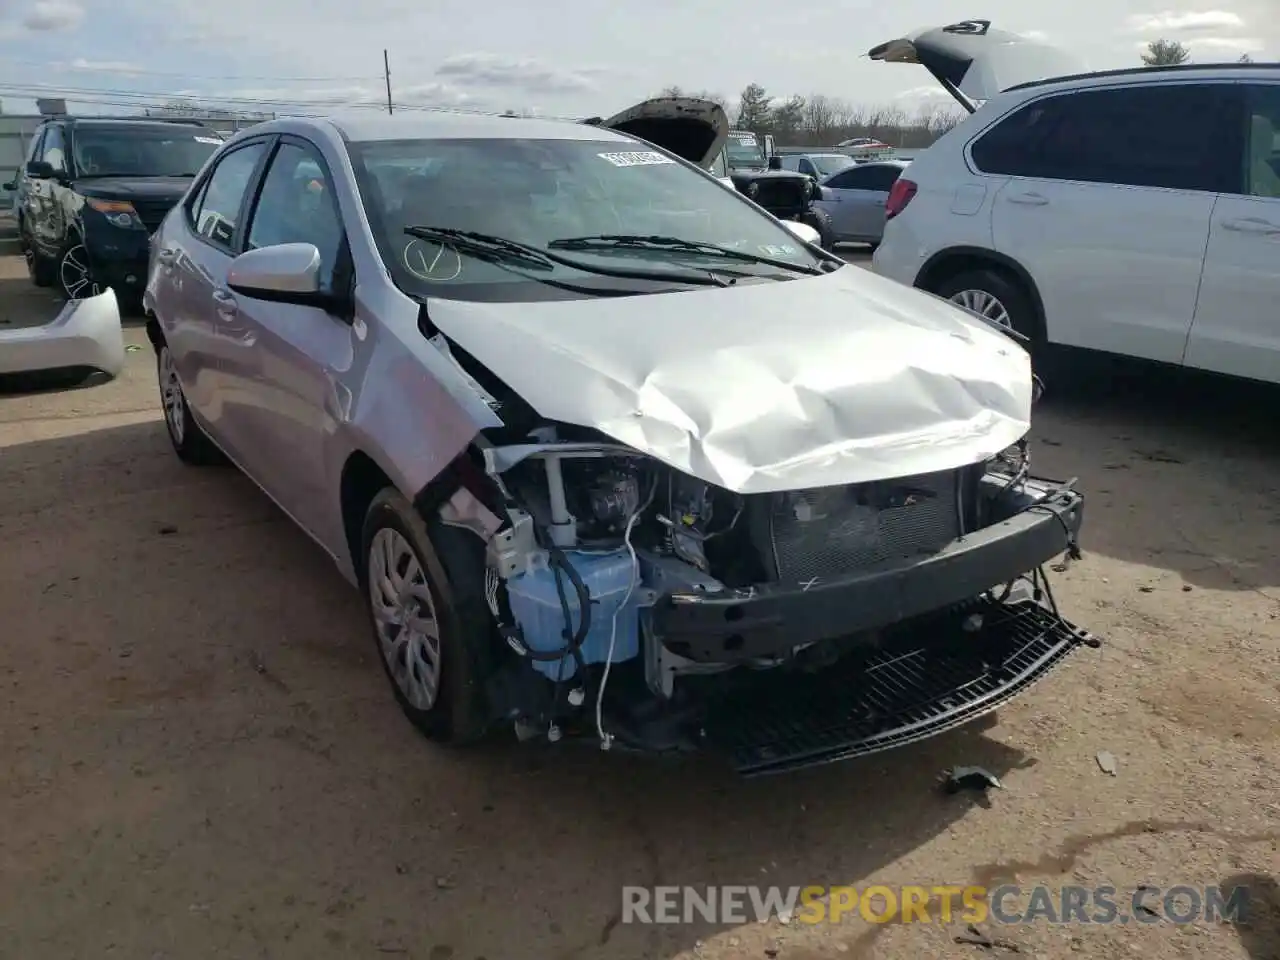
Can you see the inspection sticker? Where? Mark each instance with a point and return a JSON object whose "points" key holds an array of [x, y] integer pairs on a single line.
{"points": [[207, 140], [635, 159]]}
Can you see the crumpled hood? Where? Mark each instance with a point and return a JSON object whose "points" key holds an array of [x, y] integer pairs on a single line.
{"points": [[842, 378]]}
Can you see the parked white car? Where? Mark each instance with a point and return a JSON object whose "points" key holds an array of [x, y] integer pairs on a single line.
{"points": [[1133, 211]]}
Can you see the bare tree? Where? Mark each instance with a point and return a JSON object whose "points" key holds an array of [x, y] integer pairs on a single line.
{"points": [[1165, 53], [1245, 58]]}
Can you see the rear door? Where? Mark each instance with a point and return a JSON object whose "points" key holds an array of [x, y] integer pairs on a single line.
{"points": [[198, 315], [1107, 207], [1237, 321], [857, 197]]}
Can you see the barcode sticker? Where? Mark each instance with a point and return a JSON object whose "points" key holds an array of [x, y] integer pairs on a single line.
{"points": [[635, 159]]}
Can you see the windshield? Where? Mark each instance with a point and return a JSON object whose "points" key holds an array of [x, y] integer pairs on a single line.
{"points": [[535, 192], [745, 150], [169, 151], [829, 163]]}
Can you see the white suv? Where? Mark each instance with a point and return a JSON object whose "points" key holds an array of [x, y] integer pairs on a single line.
{"points": [[1133, 211]]}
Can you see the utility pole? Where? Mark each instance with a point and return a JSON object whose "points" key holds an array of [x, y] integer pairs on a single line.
{"points": [[386, 72]]}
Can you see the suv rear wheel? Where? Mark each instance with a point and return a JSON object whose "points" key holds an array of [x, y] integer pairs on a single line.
{"points": [[993, 295]]}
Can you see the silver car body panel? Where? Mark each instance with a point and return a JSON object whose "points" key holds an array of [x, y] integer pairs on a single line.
{"points": [[85, 333], [763, 386]]}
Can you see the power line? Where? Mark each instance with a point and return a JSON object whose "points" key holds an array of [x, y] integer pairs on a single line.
{"points": [[126, 70]]}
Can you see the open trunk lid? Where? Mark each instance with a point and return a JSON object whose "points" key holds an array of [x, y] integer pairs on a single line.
{"points": [[689, 127], [974, 62]]}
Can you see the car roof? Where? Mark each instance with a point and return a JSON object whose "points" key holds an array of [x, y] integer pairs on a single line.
{"points": [[1143, 73], [445, 125]]}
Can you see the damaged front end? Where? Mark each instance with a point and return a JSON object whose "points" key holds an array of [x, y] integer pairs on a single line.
{"points": [[651, 610]]}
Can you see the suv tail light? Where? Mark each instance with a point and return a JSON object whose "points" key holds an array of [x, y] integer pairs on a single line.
{"points": [[899, 196]]}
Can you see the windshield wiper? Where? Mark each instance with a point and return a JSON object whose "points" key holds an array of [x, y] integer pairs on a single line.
{"points": [[606, 241], [483, 245], [488, 245]]}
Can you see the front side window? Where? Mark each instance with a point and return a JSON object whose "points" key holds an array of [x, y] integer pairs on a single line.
{"points": [[219, 203], [55, 151], [1173, 135], [538, 192], [1262, 141], [720, 166], [169, 150], [296, 205]]}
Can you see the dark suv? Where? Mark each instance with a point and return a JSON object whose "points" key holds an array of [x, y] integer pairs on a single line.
{"points": [[94, 190], [783, 193]]}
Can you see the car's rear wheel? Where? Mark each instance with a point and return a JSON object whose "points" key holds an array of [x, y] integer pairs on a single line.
{"points": [[75, 279], [995, 296], [429, 630], [190, 443]]}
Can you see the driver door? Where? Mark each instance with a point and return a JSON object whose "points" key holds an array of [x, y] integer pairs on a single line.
{"points": [[293, 357]]}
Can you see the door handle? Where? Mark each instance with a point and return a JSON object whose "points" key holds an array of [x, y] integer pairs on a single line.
{"points": [[1029, 199], [1254, 225], [226, 303]]}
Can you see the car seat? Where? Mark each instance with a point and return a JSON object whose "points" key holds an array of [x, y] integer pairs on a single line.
{"points": [[1263, 179]]}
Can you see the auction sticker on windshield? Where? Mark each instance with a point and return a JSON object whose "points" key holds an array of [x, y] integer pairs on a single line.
{"points": [[207, 140], [635, 159]]}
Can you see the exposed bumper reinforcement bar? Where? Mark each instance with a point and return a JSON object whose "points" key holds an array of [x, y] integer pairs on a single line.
{"points": [[738, 625], [947, 676]]}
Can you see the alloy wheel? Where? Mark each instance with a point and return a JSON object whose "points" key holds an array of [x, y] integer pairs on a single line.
{"points": [[73, 272], [984, 304], [175, 407], [404, 617]]}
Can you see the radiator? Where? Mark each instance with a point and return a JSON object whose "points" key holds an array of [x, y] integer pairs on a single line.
{"points": [[835, 530]]}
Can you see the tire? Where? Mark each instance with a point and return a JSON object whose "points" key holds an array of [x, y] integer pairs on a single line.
{"points": [[43, 272], [190, 443], [819, 222], [72, 276], [1010, 295], [444, 571]]}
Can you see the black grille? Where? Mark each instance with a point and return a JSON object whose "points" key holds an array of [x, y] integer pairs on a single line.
{"points": [[902, 694], [151, 212], [836, 530], [784, 195]]}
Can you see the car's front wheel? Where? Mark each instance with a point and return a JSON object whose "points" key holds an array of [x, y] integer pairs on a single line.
{"points": [[43, 272], [428, 629], [75, 279], [190, 443]]}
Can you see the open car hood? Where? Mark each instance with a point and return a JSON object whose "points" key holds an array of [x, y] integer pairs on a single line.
{"points": [[764, 386], [687, 126], [974, 62]]}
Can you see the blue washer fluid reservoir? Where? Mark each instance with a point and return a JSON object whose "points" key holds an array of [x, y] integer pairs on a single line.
{"points": [[535, 605]]}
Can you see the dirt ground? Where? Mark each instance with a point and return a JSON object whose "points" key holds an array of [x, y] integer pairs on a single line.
{"points": [[201, 757]]}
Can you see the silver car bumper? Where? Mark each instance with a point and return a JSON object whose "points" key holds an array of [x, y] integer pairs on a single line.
{"points": [[85, 333]]}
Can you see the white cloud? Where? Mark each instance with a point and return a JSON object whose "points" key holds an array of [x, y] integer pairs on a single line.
{"points": [[491, 70], [53, 15], [1184, 22], [105, 66], [1228, 44]]}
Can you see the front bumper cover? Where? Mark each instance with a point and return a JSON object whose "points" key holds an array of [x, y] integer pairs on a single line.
{"points": [[739, 625], [85, 333]]}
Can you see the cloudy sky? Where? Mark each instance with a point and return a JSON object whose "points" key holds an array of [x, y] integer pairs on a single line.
{"points": [[566, 57]]}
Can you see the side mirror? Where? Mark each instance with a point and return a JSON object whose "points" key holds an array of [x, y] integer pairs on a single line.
{"points": [[41, 170], [283, 273], [775, 162], [803, 231]]}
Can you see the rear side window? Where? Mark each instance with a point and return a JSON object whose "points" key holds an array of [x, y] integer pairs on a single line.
{"points": [[218, 205], [1178, 136], [1262, 142], [880, 179]]}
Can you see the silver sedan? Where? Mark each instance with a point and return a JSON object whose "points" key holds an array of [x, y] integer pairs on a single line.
{"points": [[852, 202]]}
